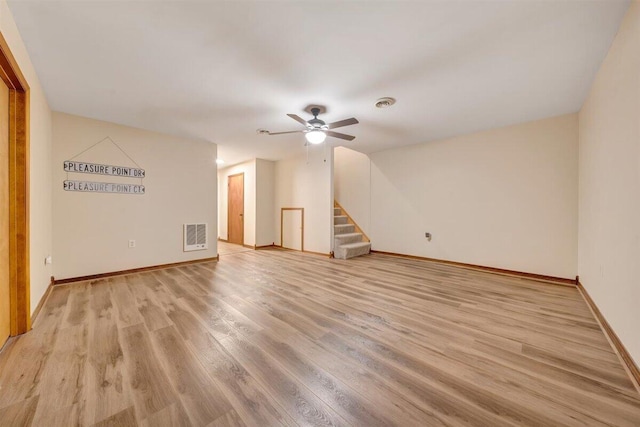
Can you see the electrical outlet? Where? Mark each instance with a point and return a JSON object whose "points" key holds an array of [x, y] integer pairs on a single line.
{"points": [[132, 243], [48, 260]]}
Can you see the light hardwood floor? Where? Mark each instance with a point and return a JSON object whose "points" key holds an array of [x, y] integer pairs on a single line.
{"points": [[225, 248], [274, 337]]}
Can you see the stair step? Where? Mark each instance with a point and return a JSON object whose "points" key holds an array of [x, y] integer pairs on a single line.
{"points": [[348, 235], [343, 229], [352, 250], [337, 211], [344, 239], [340, 219]]}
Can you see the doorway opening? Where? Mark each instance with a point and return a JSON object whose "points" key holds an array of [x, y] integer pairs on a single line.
{"points": [[15, 313]]}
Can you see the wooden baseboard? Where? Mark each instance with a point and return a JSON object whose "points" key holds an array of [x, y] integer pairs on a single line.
{"points": [[44, 298], [133, 270], [550, 279], [223, 240], [305, 251], [625, 357], [250, 247], [265, 246]]}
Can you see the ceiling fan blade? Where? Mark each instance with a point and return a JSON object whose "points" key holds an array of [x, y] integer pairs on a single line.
{"points": [[345, 122], [298, 119], [282, 133], [340, 135]]}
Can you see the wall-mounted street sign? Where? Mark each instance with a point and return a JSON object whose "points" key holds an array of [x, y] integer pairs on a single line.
{"points": [[98, 169], [103, 187]]}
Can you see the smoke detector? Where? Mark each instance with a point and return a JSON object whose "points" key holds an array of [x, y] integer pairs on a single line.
{"points": [[385, 102]]}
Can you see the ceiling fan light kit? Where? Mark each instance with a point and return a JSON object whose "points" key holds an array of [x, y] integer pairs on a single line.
{"points": [[315, 136]]}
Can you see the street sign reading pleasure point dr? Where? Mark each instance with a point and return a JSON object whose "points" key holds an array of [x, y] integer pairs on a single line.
{"points": [[98, 169]]}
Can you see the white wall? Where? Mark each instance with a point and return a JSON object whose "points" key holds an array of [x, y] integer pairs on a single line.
{"points": [[352, 185], [91, 230], [40, 219], [265, 202], [310, 186], [609, 237], [249, 171], [504, 198]]}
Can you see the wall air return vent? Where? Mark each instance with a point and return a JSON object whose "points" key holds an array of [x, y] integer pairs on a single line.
{"points": [[195, 237]]}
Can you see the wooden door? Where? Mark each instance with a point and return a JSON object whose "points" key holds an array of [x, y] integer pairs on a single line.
{"points": [[5, 293], [292, 228], [235, 212]]}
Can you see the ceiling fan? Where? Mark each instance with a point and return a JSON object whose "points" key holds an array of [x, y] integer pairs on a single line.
{"points": [[317, 130]]}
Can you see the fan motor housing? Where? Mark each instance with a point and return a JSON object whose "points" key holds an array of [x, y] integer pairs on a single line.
{"points": [[317, 123]]}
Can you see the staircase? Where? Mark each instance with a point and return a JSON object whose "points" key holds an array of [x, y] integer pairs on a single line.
{"points": [[348, 242]]}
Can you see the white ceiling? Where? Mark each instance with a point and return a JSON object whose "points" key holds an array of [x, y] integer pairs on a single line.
{"points": [[218, 71]]}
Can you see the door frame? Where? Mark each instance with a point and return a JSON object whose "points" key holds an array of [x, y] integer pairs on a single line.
{"points": [[282, 227], [19, 277], [229, 206]]}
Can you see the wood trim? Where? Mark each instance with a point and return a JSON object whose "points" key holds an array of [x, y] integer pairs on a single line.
{"points": [[43, 300], [549, 279], [133, 270], [229, 204], [10, 73], [246, 246], [272, 245], [627, 361], [282, 223], [306, 252], [351, 221]]}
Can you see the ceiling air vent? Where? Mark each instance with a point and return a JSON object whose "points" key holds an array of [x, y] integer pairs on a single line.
{"points": [[195, 237], [385, 102]]}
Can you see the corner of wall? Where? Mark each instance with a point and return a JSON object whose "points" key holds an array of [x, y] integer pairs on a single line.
{"points": [[92, 229], [609, 189], [307, 184], [41, 216]]}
